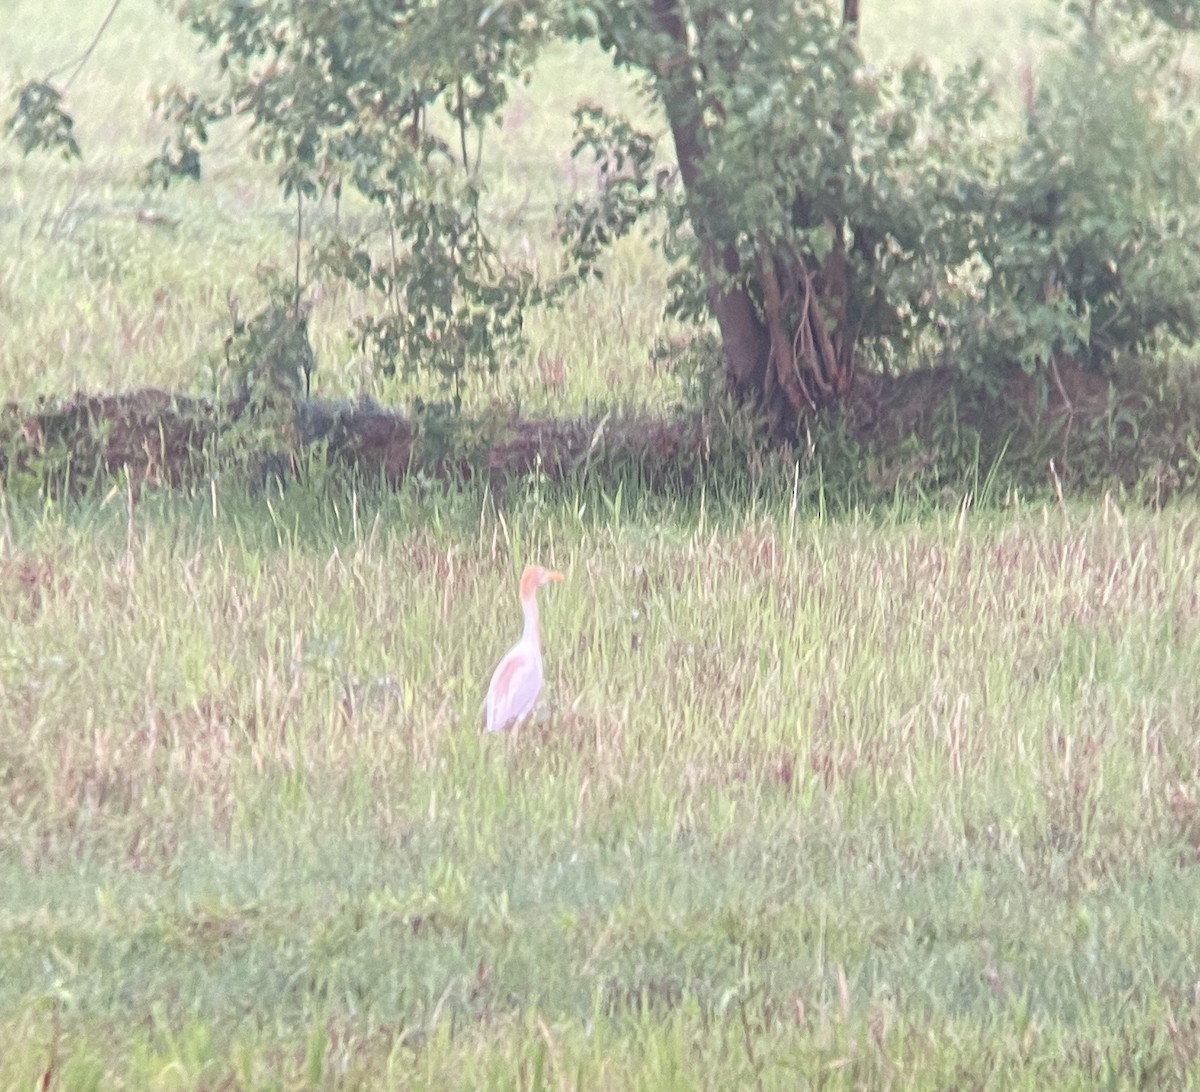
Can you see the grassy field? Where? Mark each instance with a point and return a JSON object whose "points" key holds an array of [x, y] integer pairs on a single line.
{"points": [[904, 798], [886, 802]]}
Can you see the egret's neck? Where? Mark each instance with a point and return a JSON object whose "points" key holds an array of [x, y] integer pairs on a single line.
{"points": [[529, 609]]}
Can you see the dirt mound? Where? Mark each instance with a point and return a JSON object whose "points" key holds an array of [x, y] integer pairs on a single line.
{"points": [[158, 438]]}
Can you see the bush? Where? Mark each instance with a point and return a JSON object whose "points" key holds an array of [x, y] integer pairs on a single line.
{"points": [[1090, 236]]}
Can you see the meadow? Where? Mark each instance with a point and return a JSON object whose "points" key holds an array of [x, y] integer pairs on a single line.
{"points": [[906, 796]]}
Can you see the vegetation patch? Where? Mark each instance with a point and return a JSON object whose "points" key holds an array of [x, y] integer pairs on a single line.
{"points": [[936, 432]]}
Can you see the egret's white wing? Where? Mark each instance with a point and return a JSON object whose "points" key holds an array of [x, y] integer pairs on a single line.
{"points": [[514, 687]]}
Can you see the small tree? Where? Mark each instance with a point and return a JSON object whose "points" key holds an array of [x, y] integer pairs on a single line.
{"points": [[387, 100]]}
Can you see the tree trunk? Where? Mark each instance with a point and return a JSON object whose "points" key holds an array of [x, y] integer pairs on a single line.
{"points": [[791, 351], [745, 339]]}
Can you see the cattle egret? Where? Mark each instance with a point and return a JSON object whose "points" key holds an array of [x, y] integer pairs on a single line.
{"points": [[518, 678]]}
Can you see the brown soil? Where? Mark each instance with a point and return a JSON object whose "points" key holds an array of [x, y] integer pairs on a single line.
{"points": [[159, 438]]}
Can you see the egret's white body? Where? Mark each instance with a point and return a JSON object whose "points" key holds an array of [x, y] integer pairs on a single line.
{"points": [[517, 679]]}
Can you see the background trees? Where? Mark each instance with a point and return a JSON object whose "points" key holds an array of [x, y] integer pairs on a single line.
{"points": [[828, 215]]}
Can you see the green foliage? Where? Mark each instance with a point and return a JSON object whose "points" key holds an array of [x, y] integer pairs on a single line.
{"points": [[269, 356], [851, 187], [39, 121], [861, 214], [190, 117], [1179, 15], [269, 364], [392, 106], [629, 186], [886, 197], [449, 304], [1087, 239]]}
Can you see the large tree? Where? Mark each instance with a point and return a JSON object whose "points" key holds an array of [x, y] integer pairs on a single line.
{"points": [[841, 213], [784, 189]]}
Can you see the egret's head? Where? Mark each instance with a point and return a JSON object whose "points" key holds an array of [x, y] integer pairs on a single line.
{"points": [[535, 577]]}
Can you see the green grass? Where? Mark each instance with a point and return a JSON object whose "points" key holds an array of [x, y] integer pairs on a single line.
{"points": [[910, 803], [907, 798]]}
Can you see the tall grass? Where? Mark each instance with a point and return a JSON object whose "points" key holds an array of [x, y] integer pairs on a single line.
{"points": [[876, 804]]}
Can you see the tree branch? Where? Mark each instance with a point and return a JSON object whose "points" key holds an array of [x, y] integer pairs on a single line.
{"points": [[83, 59]]}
